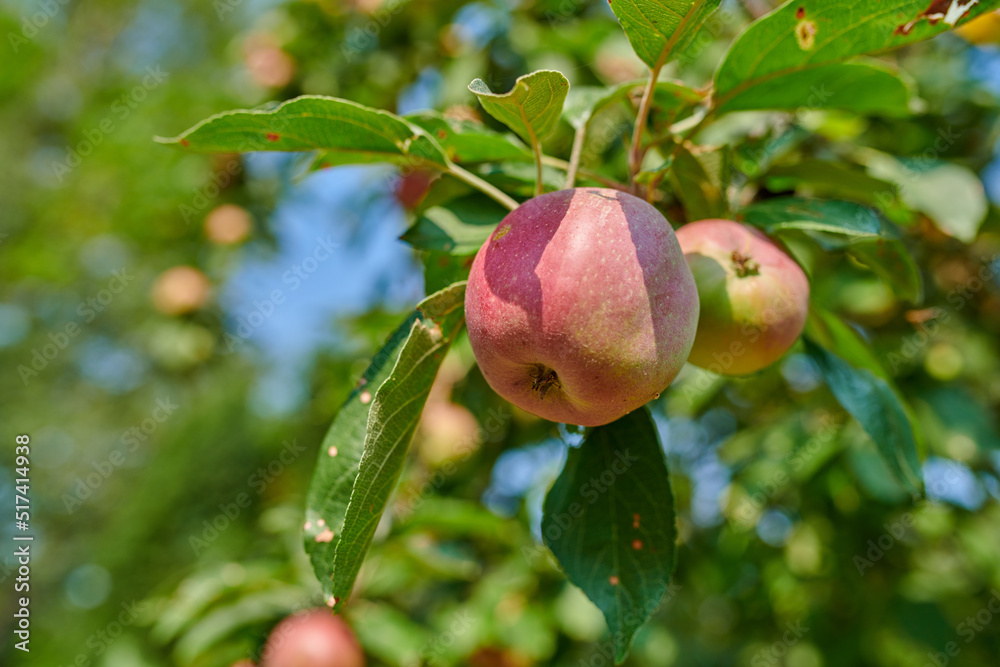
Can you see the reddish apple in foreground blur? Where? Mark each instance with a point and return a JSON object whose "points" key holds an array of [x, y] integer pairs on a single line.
{"points": [[315, 638], [754, 297], [580, 306]]}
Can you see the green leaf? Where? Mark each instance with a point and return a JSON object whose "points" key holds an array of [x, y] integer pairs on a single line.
{"points": [[832, 179], [818, 215], [701, 196], [890, 260], [871, 401], [532, 108], [806, 35], [466, 142], [585, 102], [442, 269], [459, 227], [950, 194], [616, 540], [363, 453], [828, 330], [860, 87], [350, 133], [661, 29]]}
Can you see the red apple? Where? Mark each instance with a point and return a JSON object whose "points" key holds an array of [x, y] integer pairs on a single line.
{"points": [[315, 638], [754, 297], [580, 306]]}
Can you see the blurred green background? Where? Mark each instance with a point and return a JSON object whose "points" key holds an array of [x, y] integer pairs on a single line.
{"points": [[177, 332]]}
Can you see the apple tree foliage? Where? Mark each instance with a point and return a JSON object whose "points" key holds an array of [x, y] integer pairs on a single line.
{"points": [[618, 545]]}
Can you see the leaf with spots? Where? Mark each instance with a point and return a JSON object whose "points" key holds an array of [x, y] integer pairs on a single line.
{"points": [[609, 519], [660, 30], [532, 108], [809, 35], [364, 450], [347, 132], [869, 87]]}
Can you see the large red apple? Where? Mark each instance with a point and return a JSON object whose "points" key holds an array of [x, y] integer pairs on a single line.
{"points": [[754, 297], [580, 306], [314, 638]]}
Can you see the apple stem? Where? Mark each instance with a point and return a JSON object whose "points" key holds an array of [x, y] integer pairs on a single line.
{"points": [[574, 158], [744, 265], [636, 154], [482, 186]]}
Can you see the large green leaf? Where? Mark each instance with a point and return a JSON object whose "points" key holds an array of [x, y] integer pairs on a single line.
{"points": [[816, 215], [466, 142], [364, 451], [833, 179], [459, 227], [861, 87], [831, 332], [350, 133], [532, 108], [609, 519], [809, 34], [872, 401], [950, 194], [660, 29]]}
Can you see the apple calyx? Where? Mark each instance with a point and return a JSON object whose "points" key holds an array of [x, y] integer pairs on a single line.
{"points": [[744, 265], [543, 379]]}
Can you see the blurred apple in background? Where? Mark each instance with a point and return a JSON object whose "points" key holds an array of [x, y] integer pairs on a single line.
{"points": [[314, 638], [228, 224], [180, 290]]}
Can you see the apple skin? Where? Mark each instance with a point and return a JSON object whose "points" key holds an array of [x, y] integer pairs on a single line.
{"points": [[580, 306], [315, 638], [754, 297]]}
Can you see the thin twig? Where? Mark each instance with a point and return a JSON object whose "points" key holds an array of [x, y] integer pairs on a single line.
{"points": [[482, 186], [635, 155], [574, 158]]}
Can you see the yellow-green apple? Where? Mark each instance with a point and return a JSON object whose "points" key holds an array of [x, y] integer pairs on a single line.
{"points": [[754, 297], [314, 638], [580, 306]]}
